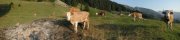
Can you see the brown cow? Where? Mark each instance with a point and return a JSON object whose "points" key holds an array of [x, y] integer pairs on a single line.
{"points": [[78, 17], [101, 13], [168, 17], [136, 15]]}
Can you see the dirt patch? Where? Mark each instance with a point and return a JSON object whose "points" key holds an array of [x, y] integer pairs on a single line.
{"points": [[44, 29]]}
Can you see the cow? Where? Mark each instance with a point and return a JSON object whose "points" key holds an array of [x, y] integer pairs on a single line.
{"points": [[168, 18], [101, 13], [136, 15], [78, 17]]}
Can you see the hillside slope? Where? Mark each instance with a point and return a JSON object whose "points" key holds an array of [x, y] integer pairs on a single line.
{"points": [[25, 12], [108, 27]]}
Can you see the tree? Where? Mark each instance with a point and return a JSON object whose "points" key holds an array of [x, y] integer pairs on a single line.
{"points": [[99, 4]]}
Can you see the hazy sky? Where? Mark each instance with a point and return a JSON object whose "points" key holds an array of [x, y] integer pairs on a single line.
{"points": [[157, 5]]}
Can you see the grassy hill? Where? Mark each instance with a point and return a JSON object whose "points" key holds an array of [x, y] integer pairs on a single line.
{"points": [[25, 13], [109, 27]]}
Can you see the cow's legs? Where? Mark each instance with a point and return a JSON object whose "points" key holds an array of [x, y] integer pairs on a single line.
{"points": [[84, 25], [134, 19], [75, 28], [170, 24], [87, 24]]}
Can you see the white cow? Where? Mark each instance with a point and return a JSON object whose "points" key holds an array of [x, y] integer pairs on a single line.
{"points": [[169, 17]]}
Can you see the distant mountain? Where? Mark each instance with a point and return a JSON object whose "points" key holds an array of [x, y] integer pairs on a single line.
{"points": [[149, 13], [129, 7], [177, 16]]}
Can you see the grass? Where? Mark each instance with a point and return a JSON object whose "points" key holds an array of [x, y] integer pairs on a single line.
{"points": [[123, 27], [109, 27], [25, 13]]}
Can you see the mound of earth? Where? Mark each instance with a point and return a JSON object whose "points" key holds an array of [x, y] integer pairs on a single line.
{"points": [[44, 29]]}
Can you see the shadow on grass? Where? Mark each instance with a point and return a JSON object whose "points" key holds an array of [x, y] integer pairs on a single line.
{"points": [[4, 9], [68, 31], [62, 22], [66, 23], [60, 29]]}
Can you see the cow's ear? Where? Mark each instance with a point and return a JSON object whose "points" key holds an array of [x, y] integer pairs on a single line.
{"points": [[171, 13]]}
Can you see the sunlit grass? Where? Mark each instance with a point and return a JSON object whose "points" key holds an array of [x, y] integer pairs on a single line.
{"points": [[25, 13], [110, 26]]}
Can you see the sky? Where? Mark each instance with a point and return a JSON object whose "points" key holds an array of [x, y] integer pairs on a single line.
{"points": [[157, 5]]}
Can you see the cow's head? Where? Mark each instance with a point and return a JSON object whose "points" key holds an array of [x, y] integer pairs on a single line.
{"points": [[167, 12], [130, 14]]}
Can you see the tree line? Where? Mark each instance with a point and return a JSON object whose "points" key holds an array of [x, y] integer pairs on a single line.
{"points": [[99, 4]]}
